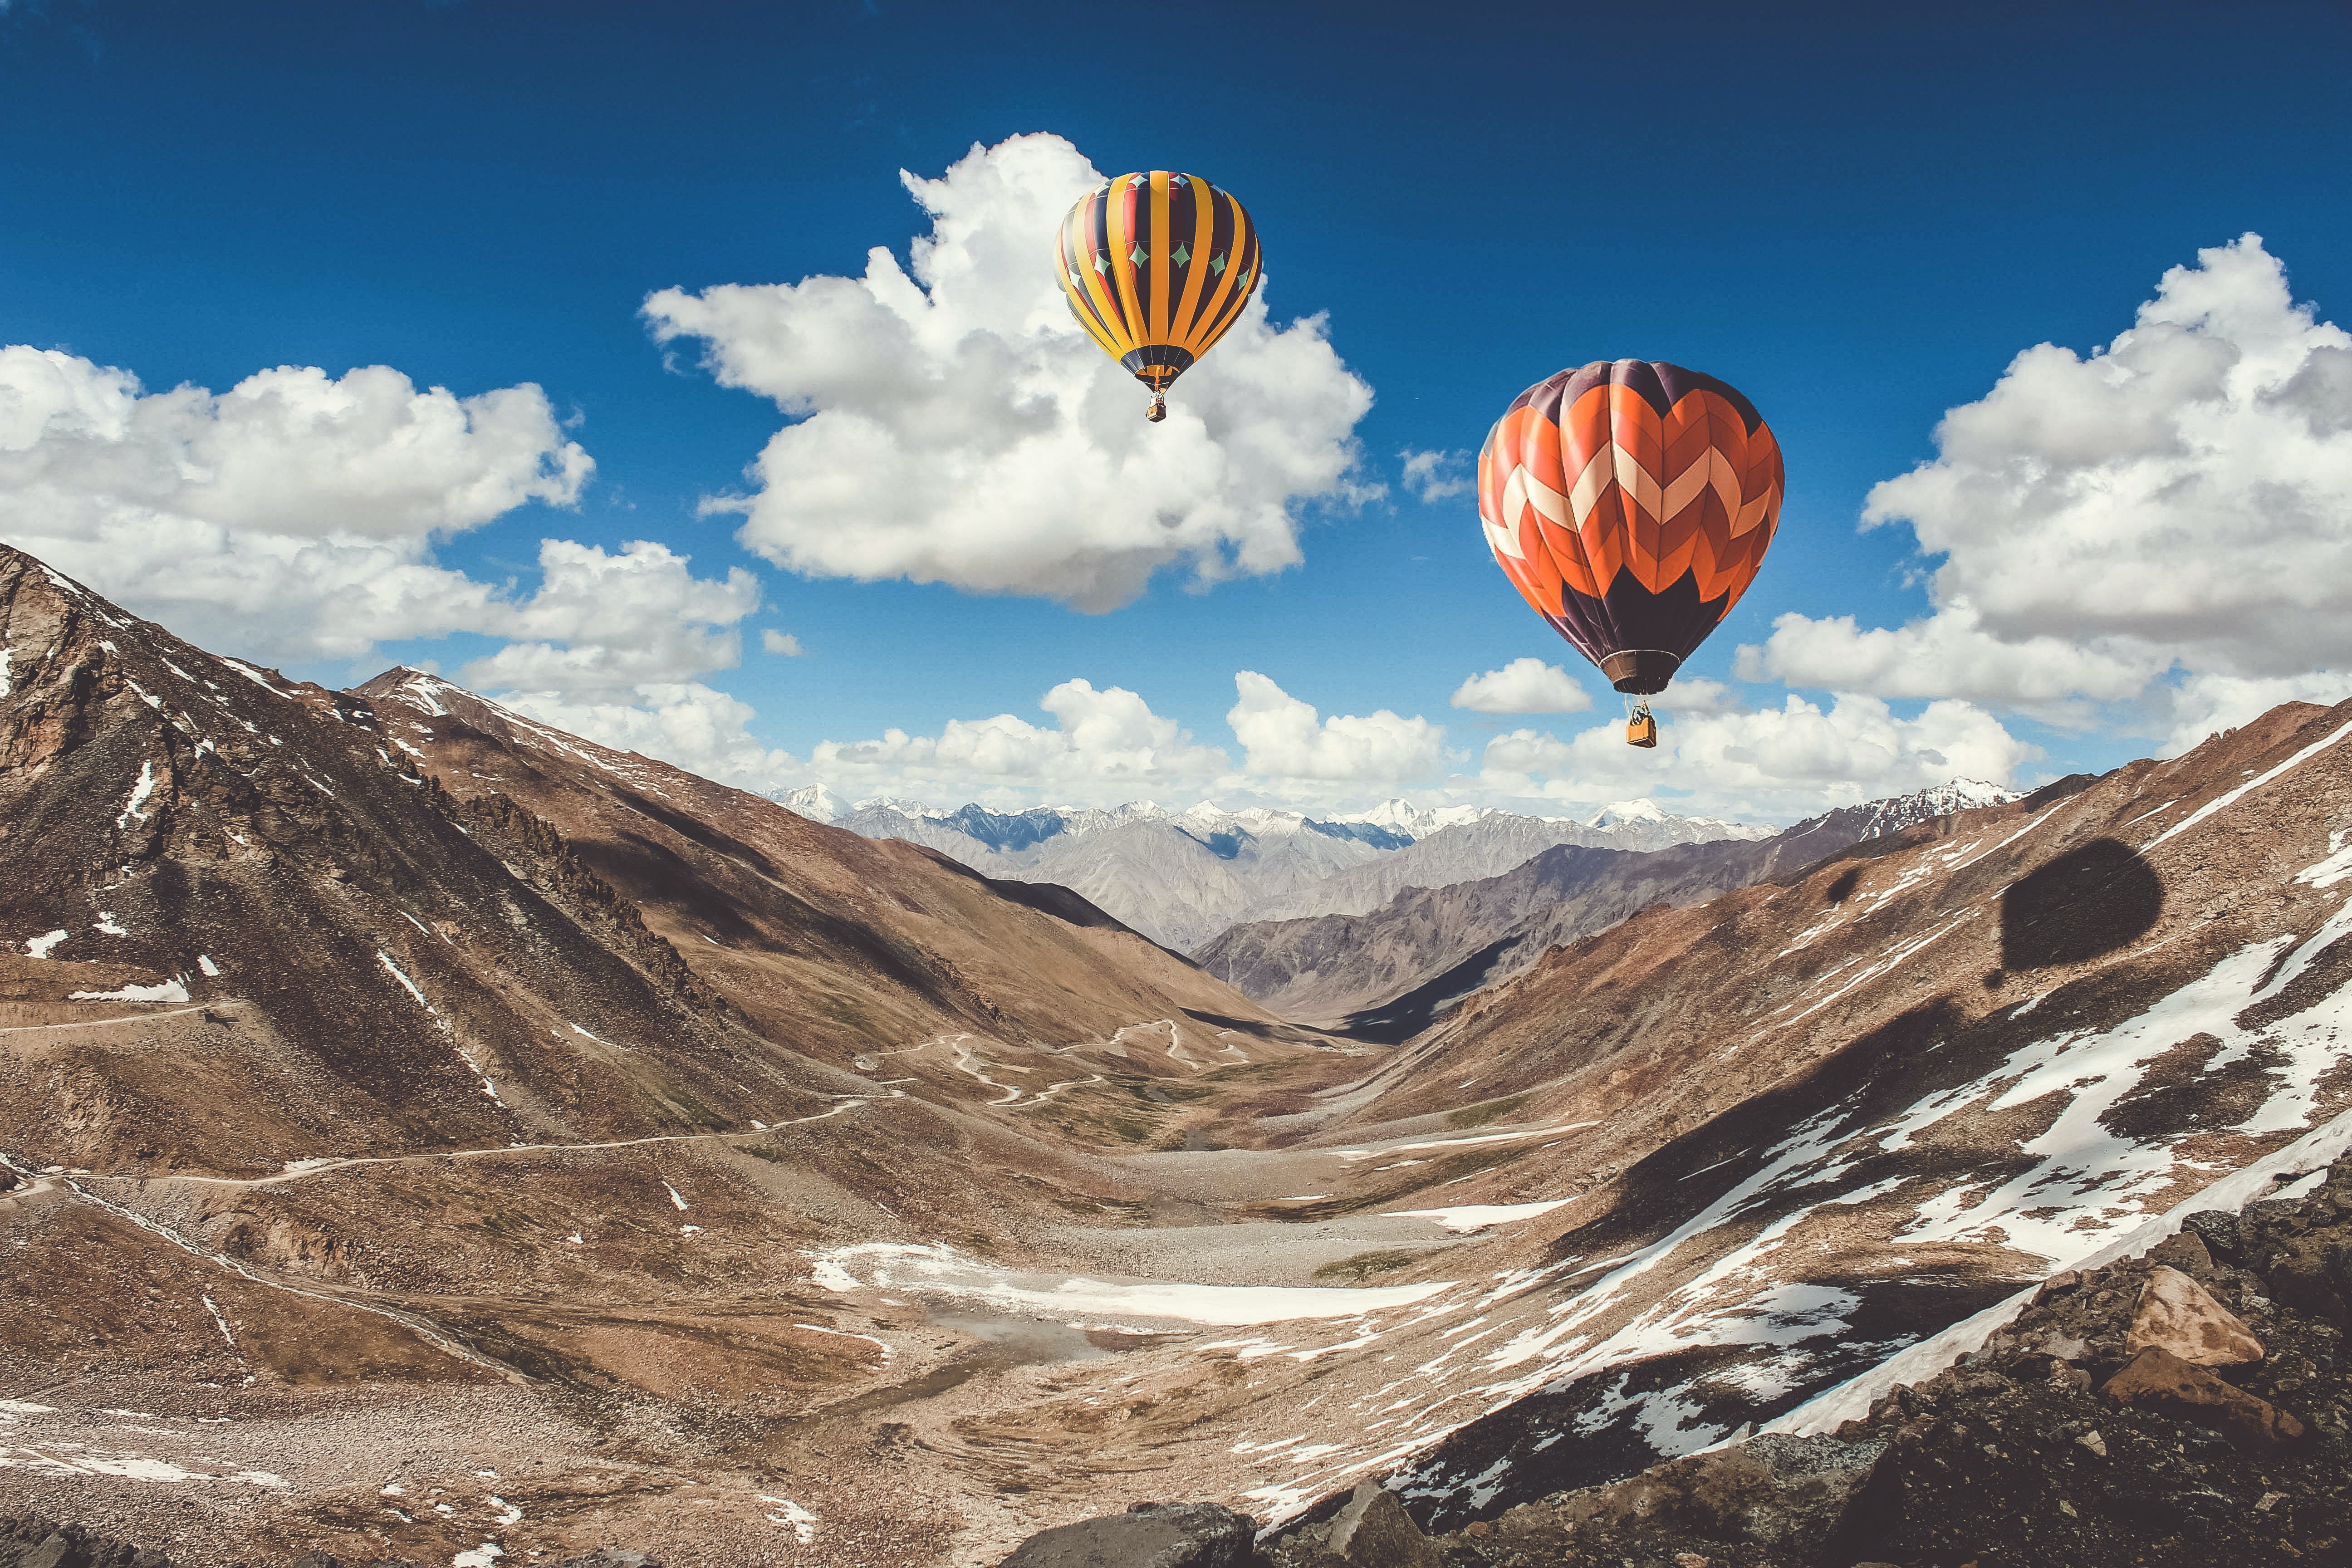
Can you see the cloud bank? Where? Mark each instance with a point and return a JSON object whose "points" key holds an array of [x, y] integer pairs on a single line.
{"points": [[290, 517], [293, 518], [1526, 685], [2166, 524], [952, 424], [1767, 763]]}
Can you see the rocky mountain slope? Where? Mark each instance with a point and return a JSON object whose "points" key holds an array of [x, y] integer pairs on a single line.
{"points": [[426, 1072], [1182, 877], [428, 1136], [1387, 974], [1756, 1146]]}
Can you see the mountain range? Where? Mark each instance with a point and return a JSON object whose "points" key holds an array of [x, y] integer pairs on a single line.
{"points": [[1387, 972], [427, 1136], [1181, 876]]}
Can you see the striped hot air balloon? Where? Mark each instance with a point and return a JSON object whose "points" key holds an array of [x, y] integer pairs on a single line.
{"points": [[1631, 504], [1156, 267]]}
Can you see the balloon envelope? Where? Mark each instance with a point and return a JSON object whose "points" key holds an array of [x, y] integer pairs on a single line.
{"points": [[1156, 267], [1630, 503]]}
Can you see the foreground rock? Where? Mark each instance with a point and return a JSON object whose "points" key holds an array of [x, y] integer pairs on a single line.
{"points": [[1149, 1535], [2079, 1436]]}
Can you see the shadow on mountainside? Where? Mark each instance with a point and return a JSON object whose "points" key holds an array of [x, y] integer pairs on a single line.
{"points": [[2086, 904]]}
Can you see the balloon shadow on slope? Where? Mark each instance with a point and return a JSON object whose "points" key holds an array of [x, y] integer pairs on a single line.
{"points": [[2086, 903]]}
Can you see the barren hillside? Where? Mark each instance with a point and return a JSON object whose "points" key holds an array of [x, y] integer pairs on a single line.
{"points": [[426, 1132]]}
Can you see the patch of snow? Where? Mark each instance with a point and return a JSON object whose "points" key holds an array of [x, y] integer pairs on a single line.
{"points": [[385, 959], [139, 793], [25, 1407], [6, 653], [42, 946], [802, 1523], [2336, 867], [674, 1197], [940, 1269], [106, 923], [481, 1556], [170, 991], [1463, 1218], [252, 674], [2233, 796], [204, 963]]}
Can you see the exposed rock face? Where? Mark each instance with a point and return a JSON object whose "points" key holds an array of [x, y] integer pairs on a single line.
{"points": [[2156, 1379], [1371, 1530], [2179, 1317], [1150, 1535], [2046, 1449]]}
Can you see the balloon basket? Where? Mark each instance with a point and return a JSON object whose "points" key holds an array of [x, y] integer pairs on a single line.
{"points": [[1641, 727]]}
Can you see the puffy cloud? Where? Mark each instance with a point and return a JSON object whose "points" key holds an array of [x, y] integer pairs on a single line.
{"points": [[2182, 499], [1523, 686], [951, 423], [293, 517], [1784, 762], [1436, 476], [695, 726], [633, 620], [1104, 744], [288, 517], [614, 645], [2203, 704], [1950, 654], [785, 643], [1285, 739]]}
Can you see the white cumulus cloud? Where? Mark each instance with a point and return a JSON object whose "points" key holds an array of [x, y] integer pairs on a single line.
{"points": [[2178, 503], [1526, 685], [785, 643], [1285, 739], [1436, 476], [604, 623], [291, 516], [1106, 745], [1772, 763], [952, 424]]}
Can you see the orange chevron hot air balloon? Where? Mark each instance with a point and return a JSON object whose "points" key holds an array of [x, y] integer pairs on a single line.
{"points": [[1630, 503]]}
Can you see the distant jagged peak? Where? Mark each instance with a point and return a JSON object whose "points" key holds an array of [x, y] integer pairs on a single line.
{"points": [[815, 802], [1401, 815], [1899, 812], [1616, 813]]}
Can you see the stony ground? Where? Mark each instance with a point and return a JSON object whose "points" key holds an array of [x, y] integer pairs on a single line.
{"points": [[2075, 1438]]}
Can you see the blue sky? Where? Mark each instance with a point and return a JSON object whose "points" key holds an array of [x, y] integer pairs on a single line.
{"points": [[1859, 216]]}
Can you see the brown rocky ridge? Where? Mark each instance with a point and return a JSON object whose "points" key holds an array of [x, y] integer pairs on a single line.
{"points": [[431, 1132]]}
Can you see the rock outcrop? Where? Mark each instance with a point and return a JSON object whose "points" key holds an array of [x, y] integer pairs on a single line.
{"points": [[2058, 1444], [1149, 1535]]}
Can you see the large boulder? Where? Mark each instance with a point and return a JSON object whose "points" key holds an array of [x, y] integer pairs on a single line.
{"points": [[2179, 1315], [1149, 1535], [2156, 1379]]}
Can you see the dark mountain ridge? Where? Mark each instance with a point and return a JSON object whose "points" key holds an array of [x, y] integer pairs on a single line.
{"points": [[1387, 976]]}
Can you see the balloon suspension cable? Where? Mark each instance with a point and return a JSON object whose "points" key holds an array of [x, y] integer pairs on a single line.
{"points": [[1636, 707]]}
